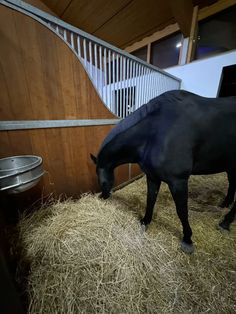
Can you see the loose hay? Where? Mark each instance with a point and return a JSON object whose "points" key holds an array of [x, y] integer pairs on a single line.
{"points": [[90, 256]]}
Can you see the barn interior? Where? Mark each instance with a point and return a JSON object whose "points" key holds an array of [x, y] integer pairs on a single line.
{"points": [[70, 70]]}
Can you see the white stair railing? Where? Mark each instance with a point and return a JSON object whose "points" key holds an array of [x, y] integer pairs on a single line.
{"points": [[123, 81]]}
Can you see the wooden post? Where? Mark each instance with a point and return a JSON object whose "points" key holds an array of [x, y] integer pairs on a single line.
{"points": [[149, 53], [193, 35], [182, 11]]}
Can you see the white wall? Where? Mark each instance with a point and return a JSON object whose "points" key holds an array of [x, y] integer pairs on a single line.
{"points": [[203, 76]]}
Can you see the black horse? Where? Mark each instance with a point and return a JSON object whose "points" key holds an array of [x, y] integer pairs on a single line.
{"points": [[175, 135]]}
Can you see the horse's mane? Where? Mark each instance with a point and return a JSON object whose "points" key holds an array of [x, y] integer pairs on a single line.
{"points": [[147, 109], [132, 119]]}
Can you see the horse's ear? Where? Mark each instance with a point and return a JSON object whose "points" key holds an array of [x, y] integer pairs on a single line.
{"points": [[94, 159]]}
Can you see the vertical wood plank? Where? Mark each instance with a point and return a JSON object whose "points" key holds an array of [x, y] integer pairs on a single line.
{"points": [[149, 53]]}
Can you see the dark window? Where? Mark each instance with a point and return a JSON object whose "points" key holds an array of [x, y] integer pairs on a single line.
{"points": [[228, 81], [165, 52], [141, 53], [217, 34]]}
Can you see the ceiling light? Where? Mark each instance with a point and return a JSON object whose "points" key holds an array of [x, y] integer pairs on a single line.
{"points": [[178, 45]]}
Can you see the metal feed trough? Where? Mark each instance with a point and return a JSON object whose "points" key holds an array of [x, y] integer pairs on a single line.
{"points": [[20, 173]]}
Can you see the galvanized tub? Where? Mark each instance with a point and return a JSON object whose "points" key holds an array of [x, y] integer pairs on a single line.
{"points": [[20, 173]]}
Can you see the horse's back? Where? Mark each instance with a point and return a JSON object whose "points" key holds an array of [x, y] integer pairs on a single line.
{"points": [[194, 134]]}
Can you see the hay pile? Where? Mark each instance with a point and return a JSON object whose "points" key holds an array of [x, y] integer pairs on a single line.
{"points": [[90, 256]]}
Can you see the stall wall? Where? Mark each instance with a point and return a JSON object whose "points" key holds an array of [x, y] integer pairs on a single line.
{"points": [[42, 79]]}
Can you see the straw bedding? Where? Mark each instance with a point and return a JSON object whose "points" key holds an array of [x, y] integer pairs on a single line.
{"points": [[91, 256]]}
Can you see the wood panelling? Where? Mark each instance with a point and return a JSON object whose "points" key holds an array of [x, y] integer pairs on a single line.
{"points": [[122, 22], [42, 6], [57, 6], [135, 171], [42, 79], [136, 21], [41, 76], [182, 11], [66, 156], [215, 8], [93, 14], [121, 174], [203, 3]]}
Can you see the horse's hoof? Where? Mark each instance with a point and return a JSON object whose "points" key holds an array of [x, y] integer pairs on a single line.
{"points": [[224, 204], [144, 226], [187, 248], [223, 228], [104, 196]]}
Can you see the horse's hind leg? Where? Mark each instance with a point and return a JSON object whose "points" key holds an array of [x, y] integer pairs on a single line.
{"points": [[179, 191], [231, 190], [152, 191], [229, 218]]}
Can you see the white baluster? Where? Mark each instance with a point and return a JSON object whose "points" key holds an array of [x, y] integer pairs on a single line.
{"points": [[72, 40], [109, 77], [117, 89], [105, 74], [113, 82], [100, 66], [90, 59], [121, 104], [78, 46], [96, 65]]}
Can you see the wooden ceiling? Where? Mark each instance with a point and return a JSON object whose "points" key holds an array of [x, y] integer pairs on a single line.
{"points": [[123, 22]]}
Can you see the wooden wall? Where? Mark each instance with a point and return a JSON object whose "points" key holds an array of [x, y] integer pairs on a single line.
{"points": [[42, 6], [42, 79]]}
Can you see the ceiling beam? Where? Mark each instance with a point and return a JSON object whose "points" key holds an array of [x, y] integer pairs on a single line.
{"points": [[170, 29], [182, 11], [215, 8]]}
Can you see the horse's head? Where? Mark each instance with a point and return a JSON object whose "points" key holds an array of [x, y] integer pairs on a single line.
{"points": [[105, 178]]}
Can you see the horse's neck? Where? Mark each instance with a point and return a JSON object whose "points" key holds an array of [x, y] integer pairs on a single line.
{"points": [[121, 150]]}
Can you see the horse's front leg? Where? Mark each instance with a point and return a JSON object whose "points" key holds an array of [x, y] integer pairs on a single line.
{"points": [[152, 191], [179, 191]]}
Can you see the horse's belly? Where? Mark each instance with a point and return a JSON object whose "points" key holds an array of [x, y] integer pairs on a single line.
{"points": [[210, 163], [200, 169]]}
